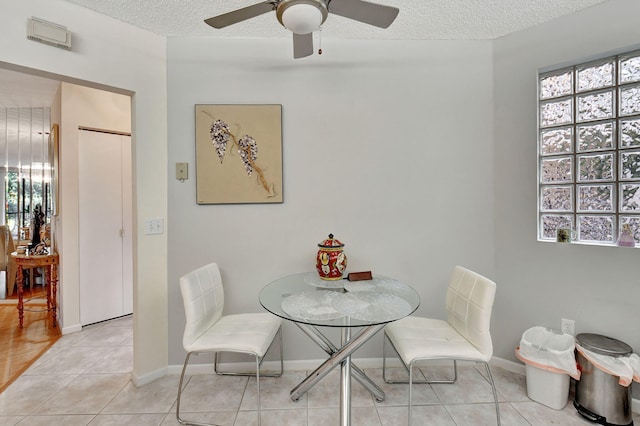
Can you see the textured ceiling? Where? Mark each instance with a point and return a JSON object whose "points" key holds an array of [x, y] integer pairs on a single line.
{"points": [[417, 20]]}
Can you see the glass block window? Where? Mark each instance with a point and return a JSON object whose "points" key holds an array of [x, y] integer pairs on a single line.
{"points": [[589, 150]]}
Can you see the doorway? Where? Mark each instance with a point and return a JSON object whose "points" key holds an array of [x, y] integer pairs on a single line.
{"points": [[94, 106]]}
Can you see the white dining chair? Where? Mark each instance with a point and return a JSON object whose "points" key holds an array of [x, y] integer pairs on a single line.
{"points": [[464, 336], [208, 330]]}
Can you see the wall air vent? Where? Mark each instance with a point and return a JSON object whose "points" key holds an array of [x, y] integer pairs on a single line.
{"points": [[48, 33]]}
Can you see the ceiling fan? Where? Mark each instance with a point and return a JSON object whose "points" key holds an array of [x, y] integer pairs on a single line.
{"points": [[303, 17]]}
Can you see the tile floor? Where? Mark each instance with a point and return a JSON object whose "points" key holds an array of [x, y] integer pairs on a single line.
{"points": [[84, 380]]}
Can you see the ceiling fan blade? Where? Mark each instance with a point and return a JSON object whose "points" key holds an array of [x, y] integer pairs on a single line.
{"points": [[240, 15], [302, 45], [362, 11]]}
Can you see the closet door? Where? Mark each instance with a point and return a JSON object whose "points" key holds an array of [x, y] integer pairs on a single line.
{"points": [[104, 226]]}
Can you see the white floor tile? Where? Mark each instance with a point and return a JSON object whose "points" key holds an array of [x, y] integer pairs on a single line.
{"points": [[84, 379]]}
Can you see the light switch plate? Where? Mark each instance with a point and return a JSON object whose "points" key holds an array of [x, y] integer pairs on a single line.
{"points": [[154, 226], [182, 171]]}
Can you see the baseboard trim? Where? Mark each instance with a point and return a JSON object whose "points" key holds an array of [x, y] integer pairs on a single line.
{"points": [[71, 329], [513, 367], [145, 379]]}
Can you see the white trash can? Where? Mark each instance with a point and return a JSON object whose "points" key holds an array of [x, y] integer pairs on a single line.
{"points": [[547, 387], [549, 363]]}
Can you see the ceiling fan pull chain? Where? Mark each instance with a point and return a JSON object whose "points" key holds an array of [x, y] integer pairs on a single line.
{"points": [[320, 41]]}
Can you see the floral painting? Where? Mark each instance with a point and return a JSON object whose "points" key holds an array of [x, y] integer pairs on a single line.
{"points": [[238, 154]]}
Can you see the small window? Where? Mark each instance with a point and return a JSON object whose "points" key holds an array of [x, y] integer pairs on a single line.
{"points": [[589, 150]]}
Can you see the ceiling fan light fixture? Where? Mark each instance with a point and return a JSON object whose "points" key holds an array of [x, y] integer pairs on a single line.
{"points": [[302, 16]]}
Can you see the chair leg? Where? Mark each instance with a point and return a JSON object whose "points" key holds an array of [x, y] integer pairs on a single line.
{"points": [[184, 367], [410, 393], [384, 358], [258, 389], [180, 420], [493, 388]]}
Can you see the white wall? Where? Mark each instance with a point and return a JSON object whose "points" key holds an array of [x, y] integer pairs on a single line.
{"points": [[540, 283], [109, 53], [386, 144]]}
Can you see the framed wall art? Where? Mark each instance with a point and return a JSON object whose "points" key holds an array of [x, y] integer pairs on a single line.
{"points": [[238, 154]]}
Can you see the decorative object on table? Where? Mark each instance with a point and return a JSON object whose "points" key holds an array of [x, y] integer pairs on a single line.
{"points": [[626, 237], [39, 249], [38, 222], [331, 261], [238, 154], [359, 276]]}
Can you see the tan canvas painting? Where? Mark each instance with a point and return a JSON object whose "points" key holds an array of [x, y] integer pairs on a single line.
{"points": [[238, 154]]}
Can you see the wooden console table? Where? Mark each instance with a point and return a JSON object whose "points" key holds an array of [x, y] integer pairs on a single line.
{"points": [[49, 262]]}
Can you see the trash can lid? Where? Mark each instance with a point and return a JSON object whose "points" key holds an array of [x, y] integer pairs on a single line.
{"points": [[603, 345]]}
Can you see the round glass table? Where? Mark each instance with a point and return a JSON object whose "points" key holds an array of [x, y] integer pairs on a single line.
{"points": [[367, 306]]}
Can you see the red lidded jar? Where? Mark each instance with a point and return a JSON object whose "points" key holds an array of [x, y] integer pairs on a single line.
{"points": [[331, 262]]}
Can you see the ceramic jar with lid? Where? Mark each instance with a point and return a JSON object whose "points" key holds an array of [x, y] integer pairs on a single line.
{"points": [[331, 262]]}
